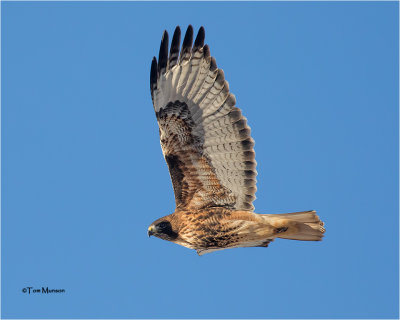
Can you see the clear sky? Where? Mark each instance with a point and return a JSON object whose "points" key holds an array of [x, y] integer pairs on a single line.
{"points": [[83, 174]]}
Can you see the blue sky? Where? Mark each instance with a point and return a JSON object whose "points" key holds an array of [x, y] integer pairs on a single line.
{"points": [[83, 174]]}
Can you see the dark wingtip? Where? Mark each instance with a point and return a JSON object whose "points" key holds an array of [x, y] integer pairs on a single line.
{"points": [[176, 39], [163, 54], [187, 42], [177, 32], [189, 29], [153, 74], [175, 45], [199, 42]]}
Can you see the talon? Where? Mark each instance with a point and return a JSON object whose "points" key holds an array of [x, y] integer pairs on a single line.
{"points": [[280, 230]]}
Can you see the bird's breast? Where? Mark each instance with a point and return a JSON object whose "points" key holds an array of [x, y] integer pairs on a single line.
{"points": [[209, 231]]}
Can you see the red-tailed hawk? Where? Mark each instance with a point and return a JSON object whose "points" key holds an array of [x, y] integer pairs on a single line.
{"points": [[207, 145]]}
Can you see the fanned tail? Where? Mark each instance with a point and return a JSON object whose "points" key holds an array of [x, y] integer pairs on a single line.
{"points": [[304, 225]]}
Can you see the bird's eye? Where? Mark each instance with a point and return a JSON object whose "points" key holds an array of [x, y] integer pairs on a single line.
{"points": [[163, 225]]}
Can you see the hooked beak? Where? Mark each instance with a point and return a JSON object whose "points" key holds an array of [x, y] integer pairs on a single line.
{"points": [[150, 231]]}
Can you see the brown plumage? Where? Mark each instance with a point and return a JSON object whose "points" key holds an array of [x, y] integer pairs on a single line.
{"points": [[209, 151]]}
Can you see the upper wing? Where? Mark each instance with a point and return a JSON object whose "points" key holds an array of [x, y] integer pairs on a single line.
{"points": [[205, 139]]}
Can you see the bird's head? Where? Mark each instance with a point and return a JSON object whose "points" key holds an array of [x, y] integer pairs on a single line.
{"points": [[163, 229]]}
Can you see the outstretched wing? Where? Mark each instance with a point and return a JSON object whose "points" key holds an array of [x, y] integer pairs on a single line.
{"points": [[205, 139]]}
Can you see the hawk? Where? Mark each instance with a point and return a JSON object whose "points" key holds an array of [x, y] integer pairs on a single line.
{"points": [[208, 148]]}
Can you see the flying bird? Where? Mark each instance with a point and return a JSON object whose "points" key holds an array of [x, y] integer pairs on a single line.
{"points": [[209, 151]]}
